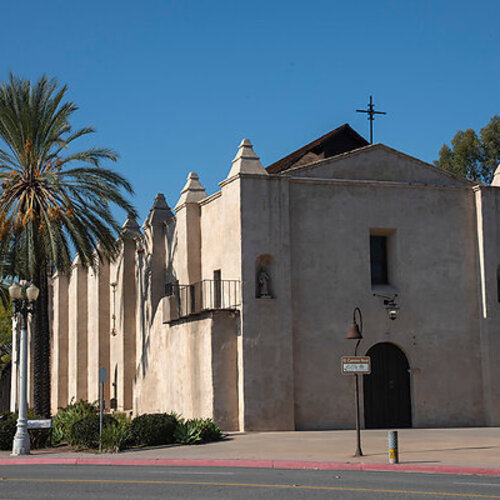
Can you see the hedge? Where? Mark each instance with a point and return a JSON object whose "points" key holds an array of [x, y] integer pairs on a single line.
{"points": [[153, 429]]}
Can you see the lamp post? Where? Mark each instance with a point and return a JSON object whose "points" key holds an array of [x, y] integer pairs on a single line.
{"points": [[355, 333], [22, 306]]}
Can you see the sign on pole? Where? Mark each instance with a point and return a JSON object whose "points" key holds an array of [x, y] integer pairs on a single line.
{"points": [[351, 365], [103, 375], [103, 378], [40, 424]]}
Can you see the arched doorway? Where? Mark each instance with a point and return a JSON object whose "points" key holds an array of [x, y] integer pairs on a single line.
{"points": [[387, 389]]}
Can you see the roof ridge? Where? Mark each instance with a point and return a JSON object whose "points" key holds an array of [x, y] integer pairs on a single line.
{"points": [[286, 162]]}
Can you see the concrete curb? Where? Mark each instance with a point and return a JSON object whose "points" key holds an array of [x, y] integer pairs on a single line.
{"points": [[261, 464]]}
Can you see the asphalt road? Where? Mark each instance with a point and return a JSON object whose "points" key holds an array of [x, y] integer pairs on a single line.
{"points": [[123, 482]]}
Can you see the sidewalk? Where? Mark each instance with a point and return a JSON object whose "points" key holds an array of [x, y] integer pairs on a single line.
{"points": [[466, 450]]}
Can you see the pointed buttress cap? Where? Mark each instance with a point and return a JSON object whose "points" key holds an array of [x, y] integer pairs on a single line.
{"points": [[246, 161], [193, 191], [159, 213], [130, 227]]}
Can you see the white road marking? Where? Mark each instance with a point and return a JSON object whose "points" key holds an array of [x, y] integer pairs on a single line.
{"points": [[194, 473], [478, 484]]}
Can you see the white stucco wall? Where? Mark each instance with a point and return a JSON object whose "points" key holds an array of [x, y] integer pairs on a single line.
{"points": [[275, 363], [488, 241], [59, 344], [378, 162], [221, 234], [432, 268], [190, 367]]}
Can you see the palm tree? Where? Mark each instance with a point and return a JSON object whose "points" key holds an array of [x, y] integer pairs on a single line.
{"points": [[54, 201]]}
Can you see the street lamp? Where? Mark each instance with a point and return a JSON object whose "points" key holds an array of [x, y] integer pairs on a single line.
{"points": [[355, 333], [22, 307]]}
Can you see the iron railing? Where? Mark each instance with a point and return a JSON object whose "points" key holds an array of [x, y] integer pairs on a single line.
{"points": [[205, 295]]}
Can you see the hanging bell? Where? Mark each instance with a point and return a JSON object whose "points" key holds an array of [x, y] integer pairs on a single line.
{"points": [[354, 333]]}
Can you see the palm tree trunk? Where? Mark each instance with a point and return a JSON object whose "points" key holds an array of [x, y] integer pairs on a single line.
{"points": [[41, 347]]}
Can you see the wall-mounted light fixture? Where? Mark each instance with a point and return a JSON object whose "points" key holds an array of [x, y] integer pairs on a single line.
{"points": [[390, 305]]}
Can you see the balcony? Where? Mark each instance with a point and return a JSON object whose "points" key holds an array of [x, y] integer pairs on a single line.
{"points": [[206, 295]]}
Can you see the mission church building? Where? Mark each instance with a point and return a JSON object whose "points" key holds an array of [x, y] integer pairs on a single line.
{"points": [[236, 306]]}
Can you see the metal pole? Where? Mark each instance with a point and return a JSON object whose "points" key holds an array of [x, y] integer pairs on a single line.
{"points": [[358, 453], [370, 117], [14, 367], [393, 447], [21, 443], [101, 409]]}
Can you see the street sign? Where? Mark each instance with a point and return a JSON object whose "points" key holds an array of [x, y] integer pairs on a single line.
{"points": [[40, 424], [103, 375], [356, 364]]}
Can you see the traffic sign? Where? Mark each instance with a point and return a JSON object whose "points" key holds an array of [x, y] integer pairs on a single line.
{"points": [[103, 375], [351, 365]]}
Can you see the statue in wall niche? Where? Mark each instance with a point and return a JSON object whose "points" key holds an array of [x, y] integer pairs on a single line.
{"points": [[263, 280]]}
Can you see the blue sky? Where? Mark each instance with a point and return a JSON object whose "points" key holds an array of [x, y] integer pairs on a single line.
{"points": [[174, 86]]}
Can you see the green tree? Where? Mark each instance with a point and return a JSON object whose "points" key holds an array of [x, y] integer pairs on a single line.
{"points": [[473, 156], [54, 201]]}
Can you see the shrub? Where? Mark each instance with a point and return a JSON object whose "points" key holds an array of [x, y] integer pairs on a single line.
{"points": [[7, 430], [153, 429], [122, 418], [70, 414], [187, 433], [39, 438], [198, 431], [209, 430], [116, 437], [85, 432]]}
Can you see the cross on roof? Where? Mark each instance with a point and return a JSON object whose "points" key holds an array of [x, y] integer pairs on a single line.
{"points": [[371, 115]]}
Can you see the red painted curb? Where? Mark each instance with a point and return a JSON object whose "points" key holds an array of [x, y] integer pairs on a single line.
{"points": [[262, 464]]}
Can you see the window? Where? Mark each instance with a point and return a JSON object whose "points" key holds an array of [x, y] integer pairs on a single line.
{"points": [[378, 259], [217, 289]]}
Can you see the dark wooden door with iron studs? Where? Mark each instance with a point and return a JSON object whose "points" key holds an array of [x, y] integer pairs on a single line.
{"points": [[386, 390]]}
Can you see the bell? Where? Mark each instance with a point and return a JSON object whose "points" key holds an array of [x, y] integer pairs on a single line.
{"points": [[354, 332]]}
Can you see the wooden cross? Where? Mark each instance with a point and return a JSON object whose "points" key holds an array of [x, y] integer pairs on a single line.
{"points": [[371, 115]]}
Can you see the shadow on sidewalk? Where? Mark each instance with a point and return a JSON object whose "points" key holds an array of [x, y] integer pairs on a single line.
{"points": [[464, 448]]}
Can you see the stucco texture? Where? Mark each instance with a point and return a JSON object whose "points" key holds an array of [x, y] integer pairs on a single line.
{"points": [[269, 358]]}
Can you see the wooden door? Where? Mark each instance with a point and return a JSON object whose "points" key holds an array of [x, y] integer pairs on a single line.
{"points": [[387, 389]]}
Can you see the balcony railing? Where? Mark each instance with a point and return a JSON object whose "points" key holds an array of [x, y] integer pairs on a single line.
{"points": [[205, 295]]}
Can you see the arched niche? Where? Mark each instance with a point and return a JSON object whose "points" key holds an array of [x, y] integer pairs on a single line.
{"points": [[264, 270]]}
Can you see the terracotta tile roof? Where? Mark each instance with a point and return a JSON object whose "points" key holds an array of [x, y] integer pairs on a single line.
{"points": [[339, 140]]}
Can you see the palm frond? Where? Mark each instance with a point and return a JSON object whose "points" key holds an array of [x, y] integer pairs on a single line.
{"points": [[53, 201]]}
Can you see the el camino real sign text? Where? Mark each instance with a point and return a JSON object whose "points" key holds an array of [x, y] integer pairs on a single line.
{"points": [[351, 365]]}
